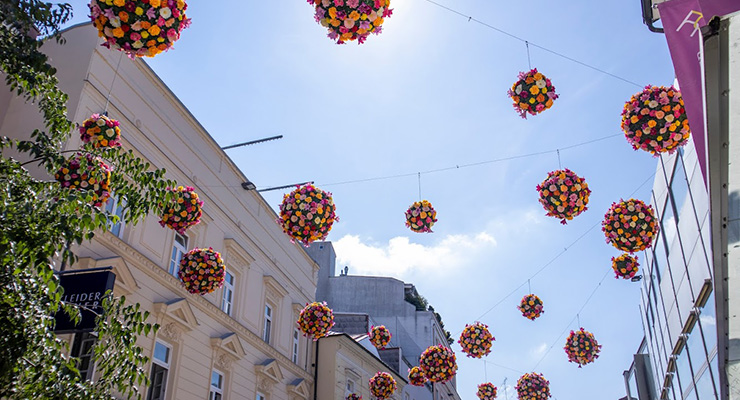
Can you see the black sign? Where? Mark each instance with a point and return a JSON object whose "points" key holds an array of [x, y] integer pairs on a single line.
{"points": [[85, 289]]}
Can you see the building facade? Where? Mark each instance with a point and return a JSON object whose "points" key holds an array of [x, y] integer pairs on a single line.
{"points": [[385, 301], [239, 342], [689, 313]]}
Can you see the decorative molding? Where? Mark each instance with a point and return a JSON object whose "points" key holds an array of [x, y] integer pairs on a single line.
{"points": [[230, 344], [297, 308], [236, 254], [269, 372], [170, 331], [162, 277], [125, 281], [177, 311], [273, 285], [299, 389]]}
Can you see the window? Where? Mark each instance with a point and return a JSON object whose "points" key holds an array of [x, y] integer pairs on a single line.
{"points": [[179, 248], [217, 386], [268, 324], [114, 206], [296, 345], [228, 293], [82, 348], [350, 386], [160, 368], [260, 396]]}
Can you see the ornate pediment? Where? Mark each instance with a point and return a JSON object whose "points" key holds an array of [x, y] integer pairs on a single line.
{"points": [[176, 311], [125, 281], [269, 373], [299, 389], [273, 286], [236, 256], [229, 344]]}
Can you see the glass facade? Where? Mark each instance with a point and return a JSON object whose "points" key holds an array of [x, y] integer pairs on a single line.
{"points": [[677, 305]]}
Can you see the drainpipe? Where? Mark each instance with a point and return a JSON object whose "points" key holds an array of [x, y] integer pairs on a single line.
{"points": [[316, 373]]}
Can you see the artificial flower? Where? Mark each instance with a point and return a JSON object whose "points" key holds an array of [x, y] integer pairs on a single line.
{"points": [[202, 271], [655, 120]]}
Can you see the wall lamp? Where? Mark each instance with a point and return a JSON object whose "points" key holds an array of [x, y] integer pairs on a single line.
{"points": [[248, 185]]}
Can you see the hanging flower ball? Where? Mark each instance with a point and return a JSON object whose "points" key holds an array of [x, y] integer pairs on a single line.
{"points": [[655, 120], [183, 211], [487, 391], [533, 386], [532, 93], [416, 377], [315, 320], [349, 20], [476, 340], [625, 266], [139, 27], [382, 385], [353, 396], [101, 131], [564, 195], [531, 307], [307, 214], [581, 347], [86, 173], [420, 217], [438, 363], [380, 336], [630, 225], [202, 271]]}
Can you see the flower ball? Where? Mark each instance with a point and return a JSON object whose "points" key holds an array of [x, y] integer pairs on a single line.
{"points": [[655, 120], [476, 340], [183, 211], [630, 225], [420, 217], [315, 320], [533, 386], [531, 307], [139, 27], [353, 396], [581, 347], [416, 377], [307, 214], [100, 131], [532, 93], [487, 391], [86, 173], [438, 363], [564, 195], [380, 336], [202, 271], [625, 266], [349, 20], [382, 385]]}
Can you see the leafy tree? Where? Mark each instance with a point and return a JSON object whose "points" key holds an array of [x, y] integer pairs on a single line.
{"points": [[39, 221]]}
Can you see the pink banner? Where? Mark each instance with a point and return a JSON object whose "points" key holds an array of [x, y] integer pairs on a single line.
{"points": [[682, 20]]}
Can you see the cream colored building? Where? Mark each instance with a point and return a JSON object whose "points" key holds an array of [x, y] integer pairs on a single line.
{"points": [[345, 365], [239, 342]]}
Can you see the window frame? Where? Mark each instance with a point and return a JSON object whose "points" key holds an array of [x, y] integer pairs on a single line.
{"points": [[268, 319], [157, 363], [78, 343], [227, 306], [215, 391], [114, 206], [181, 250], [296, 349]]}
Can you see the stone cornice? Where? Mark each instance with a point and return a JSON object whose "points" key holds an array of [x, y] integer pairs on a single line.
{"points": [[162, 277]]}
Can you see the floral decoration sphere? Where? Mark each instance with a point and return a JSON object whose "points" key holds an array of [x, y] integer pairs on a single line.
{"points": [[564, 195], [382, 385], [315, 320], [476, 340], [86, 173], [349, 20], [416, 376], [533, 386], [101, 131], [655, 120], [353, 396], [202, 271], [532, 93], [625, 266], [380, 336], [531, 306], [438, 363], [183, 211], [487, 391], [307, 214], [630, 225], [581, 347], [139, 27], [421, 216]]}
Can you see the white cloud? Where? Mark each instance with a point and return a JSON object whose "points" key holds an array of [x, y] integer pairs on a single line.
{"points": [[538, 351], [400, 256]]}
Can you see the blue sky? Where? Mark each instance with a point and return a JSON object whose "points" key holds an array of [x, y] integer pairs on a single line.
{"points": [[430, 93]]}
